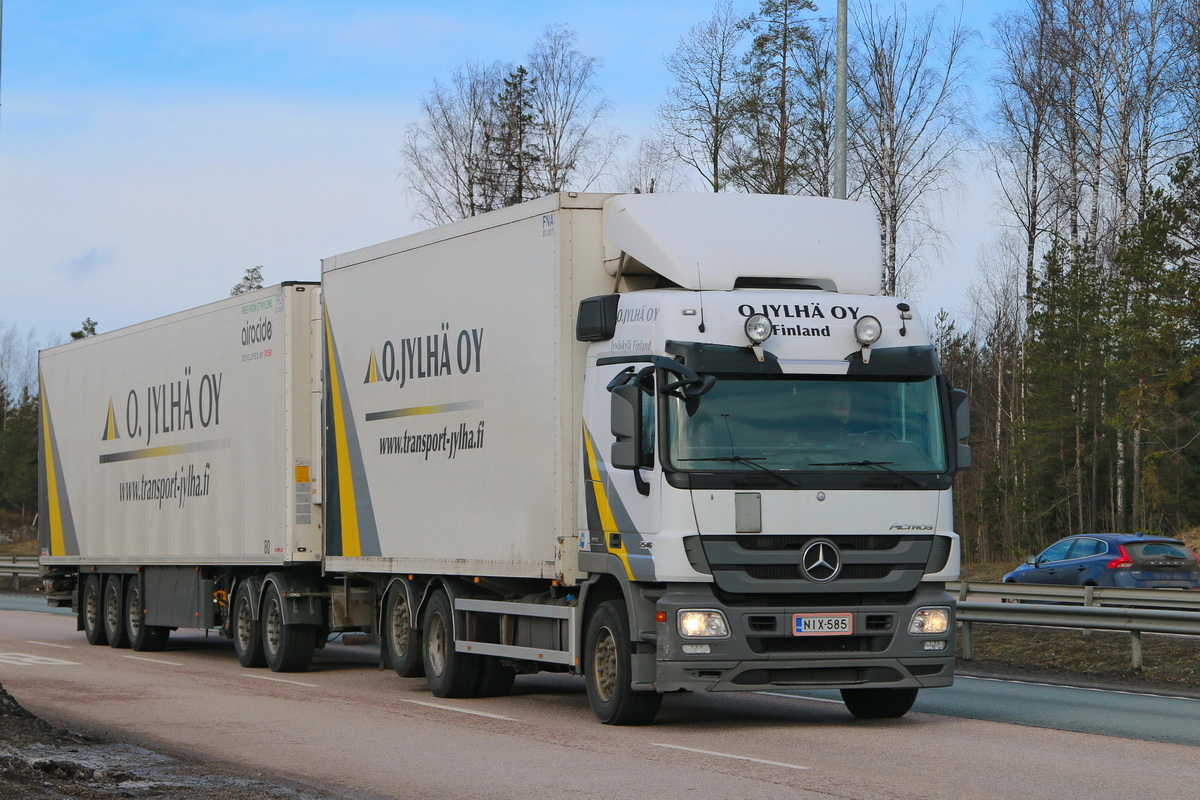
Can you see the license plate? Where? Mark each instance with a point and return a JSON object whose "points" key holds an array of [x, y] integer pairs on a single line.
{"points": [[822, 624]]}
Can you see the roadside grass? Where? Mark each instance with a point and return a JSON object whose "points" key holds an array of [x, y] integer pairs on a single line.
{"points": [[1169, 663], [25, 548]]}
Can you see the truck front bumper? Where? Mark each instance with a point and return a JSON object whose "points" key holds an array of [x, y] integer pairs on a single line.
{"points": [[761, 652]]}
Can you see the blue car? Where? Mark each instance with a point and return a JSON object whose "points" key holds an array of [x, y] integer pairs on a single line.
{"points": [[1130, 561]]}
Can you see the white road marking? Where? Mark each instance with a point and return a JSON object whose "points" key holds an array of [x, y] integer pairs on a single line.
{"points": [[155, 661], [460, 710], [281, 680], [730, 755], [801, 697], [1080, 688], [30, 660], [48, 644]]}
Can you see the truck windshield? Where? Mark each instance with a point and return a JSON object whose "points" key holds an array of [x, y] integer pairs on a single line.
{"points": [[809, 425]]}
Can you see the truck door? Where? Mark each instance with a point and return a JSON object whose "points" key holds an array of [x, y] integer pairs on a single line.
{"points": [[623, 497]]}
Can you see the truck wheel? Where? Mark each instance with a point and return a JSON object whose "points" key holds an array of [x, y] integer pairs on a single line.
{"points": [[495, 678], [608, 661], [247, 638], [142, 637], [92, 608], [450, 673], [288, 648], [402, 641], [114, 612], [879, 703]]}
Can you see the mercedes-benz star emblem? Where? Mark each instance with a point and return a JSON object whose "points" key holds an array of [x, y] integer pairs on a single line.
{"points": [[821, 561]]}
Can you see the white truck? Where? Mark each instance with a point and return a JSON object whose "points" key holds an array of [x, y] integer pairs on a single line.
{"points": [[666, 442]]}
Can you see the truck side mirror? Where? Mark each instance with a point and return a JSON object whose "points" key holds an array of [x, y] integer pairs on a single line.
{"points": [[962, 413], [962, 425], [626, 426]]}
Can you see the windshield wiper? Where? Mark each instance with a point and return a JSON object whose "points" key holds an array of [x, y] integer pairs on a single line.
{"points": [[881, 464], [749, 462]]}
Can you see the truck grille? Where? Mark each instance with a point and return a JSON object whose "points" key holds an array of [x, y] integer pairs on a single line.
{"points": [[761, 564]]}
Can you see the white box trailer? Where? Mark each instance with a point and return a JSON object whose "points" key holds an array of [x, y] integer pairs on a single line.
{"points": [[660, 441], [456, 392], [187, 441]]}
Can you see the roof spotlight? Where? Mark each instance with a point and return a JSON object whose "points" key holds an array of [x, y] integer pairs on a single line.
{"points": [[758, 328]]}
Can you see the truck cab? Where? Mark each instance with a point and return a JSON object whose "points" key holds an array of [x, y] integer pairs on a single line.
{"points": [[770, 447]]}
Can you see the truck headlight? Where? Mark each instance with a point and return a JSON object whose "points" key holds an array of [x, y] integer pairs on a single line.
{"points": [[703, 622], [930, 621]]}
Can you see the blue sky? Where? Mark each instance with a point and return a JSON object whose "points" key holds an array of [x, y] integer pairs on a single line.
{"points": [[150, 152]]}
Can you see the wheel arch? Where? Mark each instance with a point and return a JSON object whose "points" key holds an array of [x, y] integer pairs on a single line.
{"points": [[303, 596]]}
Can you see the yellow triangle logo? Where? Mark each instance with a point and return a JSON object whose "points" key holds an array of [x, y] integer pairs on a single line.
{"points": [[372, 370], [110, 425]]}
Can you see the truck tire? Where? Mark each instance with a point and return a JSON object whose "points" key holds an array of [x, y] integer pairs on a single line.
{"points": [[244, 629], [91, 608], [608, 665], [403, 642], [879, 703], [114, 612], [142, 637], [288, 648], [450, 673]]}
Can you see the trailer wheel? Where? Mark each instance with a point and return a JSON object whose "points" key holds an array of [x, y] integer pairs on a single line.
{"points": [[879, 703], [114, 612], [92, 608], [450, 673], [142, 637], [609, 667], [247, 638], [288, 648], [402, 641]]}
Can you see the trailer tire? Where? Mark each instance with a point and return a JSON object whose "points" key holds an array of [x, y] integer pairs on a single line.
{"points": [[879, 703], [450, 673], [288, 648], [403, 642], [142, 637], [114, 612], [608, 662], [245, 629], [91, 609]]}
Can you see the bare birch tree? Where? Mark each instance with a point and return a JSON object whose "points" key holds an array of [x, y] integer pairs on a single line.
{"points": [[696, 119], [575, 148], [653, 168], [908, 80], [447, 150], [1019, 144]]}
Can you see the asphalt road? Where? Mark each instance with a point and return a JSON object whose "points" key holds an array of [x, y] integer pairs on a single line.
{"points": [[348, 727]]}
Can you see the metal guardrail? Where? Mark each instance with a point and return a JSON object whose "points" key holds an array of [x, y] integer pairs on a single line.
{"points": [[1136, 611], [18, 566]]}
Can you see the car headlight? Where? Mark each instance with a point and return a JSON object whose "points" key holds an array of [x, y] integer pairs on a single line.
{"points": [[930, 621], [707, 623]]}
